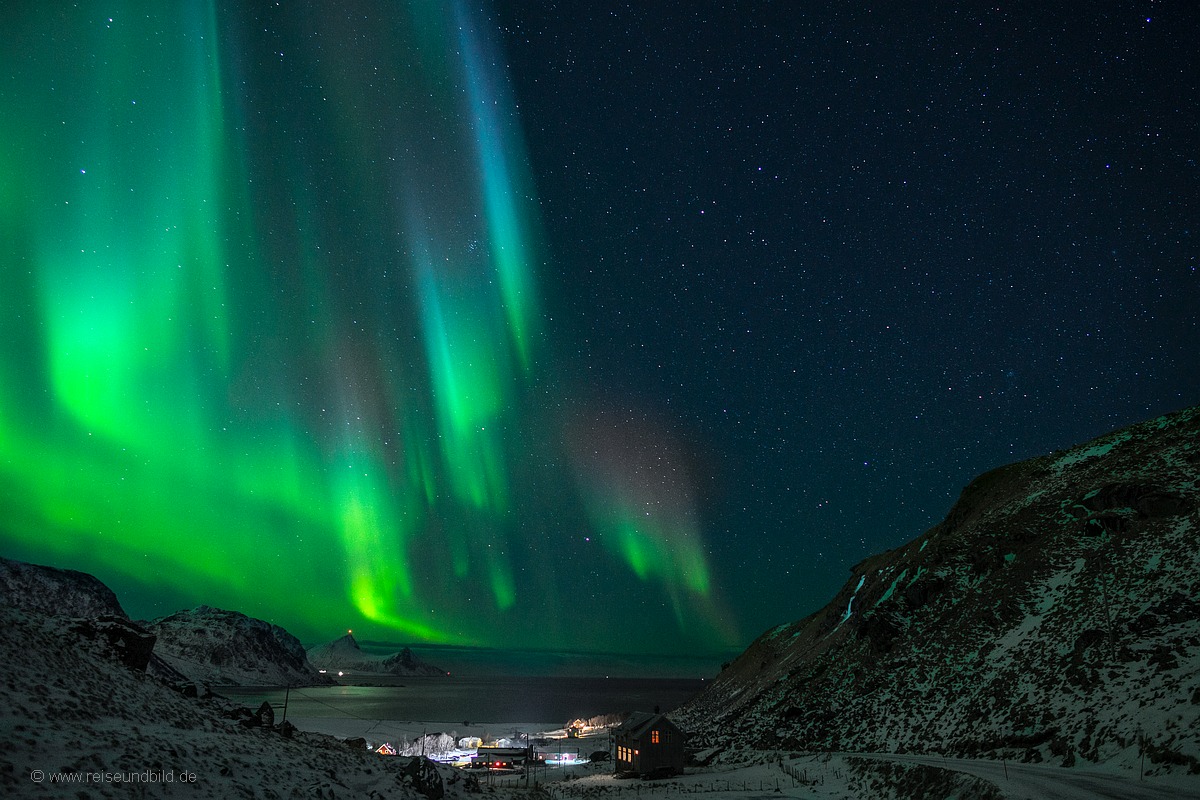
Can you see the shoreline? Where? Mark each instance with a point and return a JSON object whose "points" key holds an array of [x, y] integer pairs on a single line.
{"points": [[471, 703], [385, 729]]}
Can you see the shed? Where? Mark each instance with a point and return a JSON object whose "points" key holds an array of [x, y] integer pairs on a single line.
{"points": [[649, 744]]}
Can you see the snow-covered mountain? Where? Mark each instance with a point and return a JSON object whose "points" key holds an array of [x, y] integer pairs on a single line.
{"points": [[73, 714], [406, 662], [57, 592], [215, 646], [1054, 614], [82, 715], [345, 655], [206, 645]]}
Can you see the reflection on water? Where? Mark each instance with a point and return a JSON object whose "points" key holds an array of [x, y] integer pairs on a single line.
{"points": [[501, 699]]}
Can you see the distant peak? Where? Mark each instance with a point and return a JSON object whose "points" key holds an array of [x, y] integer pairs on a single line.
{"points": [[347, 642]]}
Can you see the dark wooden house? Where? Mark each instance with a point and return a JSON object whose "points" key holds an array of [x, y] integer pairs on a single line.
{"points": [[649, 745], [502, 757]]}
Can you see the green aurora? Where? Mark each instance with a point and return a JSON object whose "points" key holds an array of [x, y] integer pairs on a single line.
{"points": [[273, 340]]}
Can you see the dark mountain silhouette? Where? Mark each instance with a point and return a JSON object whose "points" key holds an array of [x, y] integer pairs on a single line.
{"points": [[1054, 614]]}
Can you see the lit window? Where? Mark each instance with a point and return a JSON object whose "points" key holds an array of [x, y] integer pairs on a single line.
{"points": [[653, 737]]}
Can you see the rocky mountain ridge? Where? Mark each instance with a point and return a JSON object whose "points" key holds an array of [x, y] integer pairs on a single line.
{"points": [[345, 655], [1053, 615], [204, 645], [73, 713], [84, 700], [56, 592], [220, 647]]}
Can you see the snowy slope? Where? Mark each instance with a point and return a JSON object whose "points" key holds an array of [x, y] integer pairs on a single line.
{"points": [[344, 655], [68, 706], [1053, 615], [221, 647], [58, 592]]}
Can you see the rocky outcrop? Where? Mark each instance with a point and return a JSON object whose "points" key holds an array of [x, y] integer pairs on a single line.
{"points": [[92, 608], [128, 643], [406, 663], [216, 646], [56, 592], [344, 655], [1052, 615]]}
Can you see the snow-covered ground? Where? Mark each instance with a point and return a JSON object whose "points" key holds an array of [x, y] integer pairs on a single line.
{"points": [[74, 722], [1037, 781], [851, 777], [818, 776]]}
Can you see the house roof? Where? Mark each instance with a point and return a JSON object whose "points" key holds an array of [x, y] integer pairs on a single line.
{"points": [[640, 721], [501, 752]]}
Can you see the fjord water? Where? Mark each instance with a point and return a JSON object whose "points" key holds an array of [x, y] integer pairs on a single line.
{"points": [[478, 699]]}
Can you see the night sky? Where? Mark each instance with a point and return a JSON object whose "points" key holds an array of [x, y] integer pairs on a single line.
{"points": [[570, 326]]}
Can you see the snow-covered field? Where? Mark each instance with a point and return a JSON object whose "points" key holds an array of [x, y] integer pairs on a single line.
{"points": [[827, 776]]}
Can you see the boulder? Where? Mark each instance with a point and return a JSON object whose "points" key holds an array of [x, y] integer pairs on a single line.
{"points": [[131, 645]]}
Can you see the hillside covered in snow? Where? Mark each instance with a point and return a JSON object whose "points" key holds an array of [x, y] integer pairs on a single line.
{"points": [[1053, 615], [201, 645], [72, 711], [219, 647], [54, 591], [83, 716]]}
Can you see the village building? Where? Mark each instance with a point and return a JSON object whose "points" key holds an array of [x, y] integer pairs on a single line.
{"points": [[559, 754], [501, 757], [649, 745]]}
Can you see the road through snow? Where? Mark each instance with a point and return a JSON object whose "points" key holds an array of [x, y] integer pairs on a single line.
{"points": [[1046, 782]]}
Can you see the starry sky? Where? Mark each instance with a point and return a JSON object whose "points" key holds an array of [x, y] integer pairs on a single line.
{"points": [[614, 327]]}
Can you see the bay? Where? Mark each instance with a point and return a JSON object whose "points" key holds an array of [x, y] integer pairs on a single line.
{"points": [[478, 700]]}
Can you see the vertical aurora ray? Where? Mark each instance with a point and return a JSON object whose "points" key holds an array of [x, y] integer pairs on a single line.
{"points": [[129, 436], [375, 522], [468, 394], [467, 391], [511, 252], [132, 253], [639, 496], [271, 332]]}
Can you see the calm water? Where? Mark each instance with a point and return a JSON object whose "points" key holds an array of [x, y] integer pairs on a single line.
{"points": [[478, 700]]}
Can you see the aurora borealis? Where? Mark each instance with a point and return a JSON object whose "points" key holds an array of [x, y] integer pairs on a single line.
{"points": [[601, 327], [274, 337]]}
